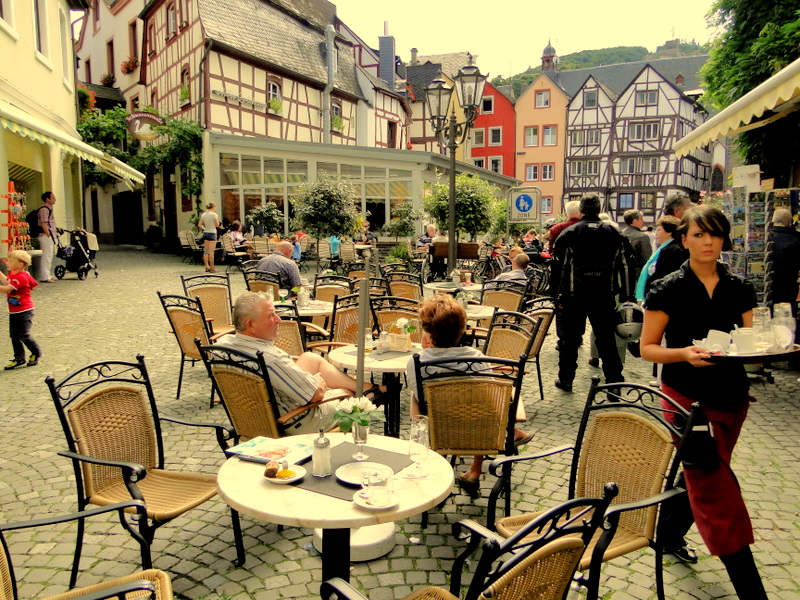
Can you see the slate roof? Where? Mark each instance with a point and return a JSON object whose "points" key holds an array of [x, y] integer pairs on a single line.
{"points": [[617, 77], [420, 76], [104, 92], [263, 30], [451, 62]]}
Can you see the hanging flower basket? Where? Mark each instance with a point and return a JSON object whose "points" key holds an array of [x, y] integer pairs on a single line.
{"points": [[129, 66], [108, 79]]}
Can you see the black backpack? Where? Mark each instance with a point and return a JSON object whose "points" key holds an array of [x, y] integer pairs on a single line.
{"points": [[33, 222]]}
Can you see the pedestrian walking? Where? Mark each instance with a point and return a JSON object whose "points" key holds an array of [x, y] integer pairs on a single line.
{"points": [[17, 287]]}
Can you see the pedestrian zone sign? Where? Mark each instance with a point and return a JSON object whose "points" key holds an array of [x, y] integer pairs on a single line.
{"points": [[524, 205]]}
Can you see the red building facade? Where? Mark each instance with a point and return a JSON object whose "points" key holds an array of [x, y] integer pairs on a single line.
{"points": [[493, 142]]}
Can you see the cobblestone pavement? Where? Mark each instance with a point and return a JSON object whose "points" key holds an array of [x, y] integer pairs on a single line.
{"points": [[118, 315]]}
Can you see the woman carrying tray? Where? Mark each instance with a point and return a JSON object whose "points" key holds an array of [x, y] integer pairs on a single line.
{"points": [[683, 306]]}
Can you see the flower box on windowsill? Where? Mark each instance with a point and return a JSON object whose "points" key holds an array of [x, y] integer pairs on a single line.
{"points": [[185, 101], [272, 111]]}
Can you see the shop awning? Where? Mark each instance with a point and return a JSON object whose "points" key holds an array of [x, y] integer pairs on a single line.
{"points": [[779, 94], [21, 123]]}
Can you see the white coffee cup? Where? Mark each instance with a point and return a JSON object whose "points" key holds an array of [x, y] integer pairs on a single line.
{"points": [[745, 340], [718, 341]]}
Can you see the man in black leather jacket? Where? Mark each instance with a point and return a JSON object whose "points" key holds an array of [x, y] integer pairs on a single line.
{"points": [[593, 264]]}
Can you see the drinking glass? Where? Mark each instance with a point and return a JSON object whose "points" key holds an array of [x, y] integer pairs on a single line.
{"points": [[360, 433], [418, 444], [283, 294], [783, 325], [377, 484], [762, 328]]}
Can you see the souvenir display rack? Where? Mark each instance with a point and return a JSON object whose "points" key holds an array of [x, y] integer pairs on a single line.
{"points": [[751, 228], [18, 234]]}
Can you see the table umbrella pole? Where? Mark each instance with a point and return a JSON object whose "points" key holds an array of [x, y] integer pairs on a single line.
{"points": [[363, 306]]}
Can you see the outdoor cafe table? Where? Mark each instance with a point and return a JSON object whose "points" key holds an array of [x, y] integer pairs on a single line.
{"points": [[449, 287], [315, 308], [391, 365], [243, 487]]}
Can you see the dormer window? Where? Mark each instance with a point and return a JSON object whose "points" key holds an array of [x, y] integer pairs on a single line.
{"points": [[679, 79]]}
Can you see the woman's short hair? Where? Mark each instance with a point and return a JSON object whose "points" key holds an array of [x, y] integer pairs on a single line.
{"points": [[708, 219], [443, 319], [669, 224]]}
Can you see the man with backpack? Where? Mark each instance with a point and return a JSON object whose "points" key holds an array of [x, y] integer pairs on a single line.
{"points": [[592, 265], [47, 237]]}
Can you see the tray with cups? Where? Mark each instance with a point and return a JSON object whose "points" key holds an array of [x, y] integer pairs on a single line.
{"points": [[748, 345]]}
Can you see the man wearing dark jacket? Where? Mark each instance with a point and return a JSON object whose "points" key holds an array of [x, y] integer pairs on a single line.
{"points": [[640, 243], [592, 264], [785, 259]]}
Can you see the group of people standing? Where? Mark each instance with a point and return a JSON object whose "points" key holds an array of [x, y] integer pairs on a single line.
{"points": [[686, 292]]}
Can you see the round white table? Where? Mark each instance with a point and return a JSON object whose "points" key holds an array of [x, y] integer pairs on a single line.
{"points": [[346, 357], [447, 287], [480, 311], [242, 486], [315, 308]]}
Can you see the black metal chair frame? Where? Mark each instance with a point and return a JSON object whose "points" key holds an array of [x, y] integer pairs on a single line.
{"points": [[514, 321], [631, 397], [339, 280], [85, 380], [507, 285], [529, 307], [256, 275], [405, 277], [136, 506]]}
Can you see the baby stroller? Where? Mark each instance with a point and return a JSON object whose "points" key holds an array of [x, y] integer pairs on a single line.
{"points": [[78, 255]]}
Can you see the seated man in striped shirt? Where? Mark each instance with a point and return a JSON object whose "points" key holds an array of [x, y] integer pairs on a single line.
{"points": [[307, 380]]}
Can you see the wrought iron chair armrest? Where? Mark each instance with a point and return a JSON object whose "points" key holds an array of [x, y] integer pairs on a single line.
{"points": [[328, 345], [340, 588], [615, 509], [214, 337], [312, 329], [477, 534], [120, 591], [461, 528], [130, 471], [500, 461], [224, 433], [119, 506], [290, 416]]}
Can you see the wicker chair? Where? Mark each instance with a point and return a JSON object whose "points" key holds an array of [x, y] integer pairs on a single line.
{"points": [[505, 295], [261, 246], [214, 292], [195, 249], [109, 416], [326, 258], [150, 581], [387, 309], [186, 249], [237, 256], [243, 382], [394, 268], [471, 405], [623, 436], [541, 569], [543, 310], [327, 288], [407, 285], [262, 281], [188, 321], [250, 265]]}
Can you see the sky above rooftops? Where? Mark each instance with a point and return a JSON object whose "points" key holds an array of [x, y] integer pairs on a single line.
{"points": [[508, 36]]}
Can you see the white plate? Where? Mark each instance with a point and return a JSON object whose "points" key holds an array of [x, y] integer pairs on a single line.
{"points": [[351, 472], [299, 474], [361, 500]]}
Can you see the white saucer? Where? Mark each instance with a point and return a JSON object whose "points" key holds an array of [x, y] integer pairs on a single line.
{"points": [[361, 500], [299, 474], [351, 472]]}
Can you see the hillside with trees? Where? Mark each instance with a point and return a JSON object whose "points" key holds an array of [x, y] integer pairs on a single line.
{"points": [[605, 56]]}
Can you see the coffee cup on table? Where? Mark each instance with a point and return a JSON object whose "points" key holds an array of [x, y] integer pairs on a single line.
{"points": [[745, 340]]}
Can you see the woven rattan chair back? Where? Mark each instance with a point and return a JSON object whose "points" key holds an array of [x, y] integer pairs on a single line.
{"points": [[544, 574], [249, 265], [113, 422], [327, 287], [388, 309], [347, 252], [344, 321], [355, 270], [510, 335], [291, 338], [388, 268], [634, 452], [227, 246], [504, 295], [262, 281], [260, 245], [406, 285], [214, 292], [188, 321], [377, 286]]}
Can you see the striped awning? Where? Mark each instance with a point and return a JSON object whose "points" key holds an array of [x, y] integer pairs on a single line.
{"points": [[779, 94], [21, 123]]}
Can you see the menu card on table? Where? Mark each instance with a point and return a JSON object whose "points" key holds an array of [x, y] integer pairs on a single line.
{"points": [[263, 449]]}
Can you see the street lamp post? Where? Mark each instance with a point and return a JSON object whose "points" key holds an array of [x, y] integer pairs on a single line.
{"points": [[469, 84]]}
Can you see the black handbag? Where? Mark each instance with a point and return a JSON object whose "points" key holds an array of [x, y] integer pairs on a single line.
{"points": [[700, 449]]}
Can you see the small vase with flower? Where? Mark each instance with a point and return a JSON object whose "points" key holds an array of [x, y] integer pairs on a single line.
{"points": [[354, 415]]}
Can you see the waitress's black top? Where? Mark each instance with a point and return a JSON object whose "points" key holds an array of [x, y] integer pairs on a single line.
{"points": [[691, 314]]}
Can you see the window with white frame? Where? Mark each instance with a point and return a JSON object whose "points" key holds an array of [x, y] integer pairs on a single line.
{"points": [[495, 136], [647, 202], [550, 135], [548, 172], [172, 21], [479, 162], [477, 137], [547, 205], [627, 166], [636, 131], [650, 164], [274, 91], [531, 172], [531, 136], [576, 167], [593, 137], [578, 137], [590, 98], [592, 167], [7, 14], [496, 164], [625, 202], [646, 97], [651, 130], [543, 99], [487, 105], [40, 27]]}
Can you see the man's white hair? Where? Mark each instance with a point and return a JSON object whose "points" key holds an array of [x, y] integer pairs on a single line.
{"points": [[573, 209]]}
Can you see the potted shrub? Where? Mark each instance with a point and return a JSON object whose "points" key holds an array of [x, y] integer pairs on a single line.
{"points": [[337, 123], [129, 66], [274, 106], [268, 217], [402, 222], [108, 79]]}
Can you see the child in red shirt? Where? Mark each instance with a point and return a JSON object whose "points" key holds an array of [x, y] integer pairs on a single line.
{"points": [[17, 286]]}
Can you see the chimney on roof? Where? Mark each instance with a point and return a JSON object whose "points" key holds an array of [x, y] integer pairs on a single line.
{"points": [[386, 53], [414, 60]]}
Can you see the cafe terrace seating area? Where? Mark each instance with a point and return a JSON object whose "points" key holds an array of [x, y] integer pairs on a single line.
{"points": [[202, 548]]}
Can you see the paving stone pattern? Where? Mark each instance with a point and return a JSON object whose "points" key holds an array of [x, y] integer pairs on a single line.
{"points": [[118, 315]]}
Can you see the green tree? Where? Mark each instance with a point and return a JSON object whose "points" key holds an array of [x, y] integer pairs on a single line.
{"points": [[106, 131], [760, 37], [268, 216], [326, 207], [403, 219], [474, 199]]}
